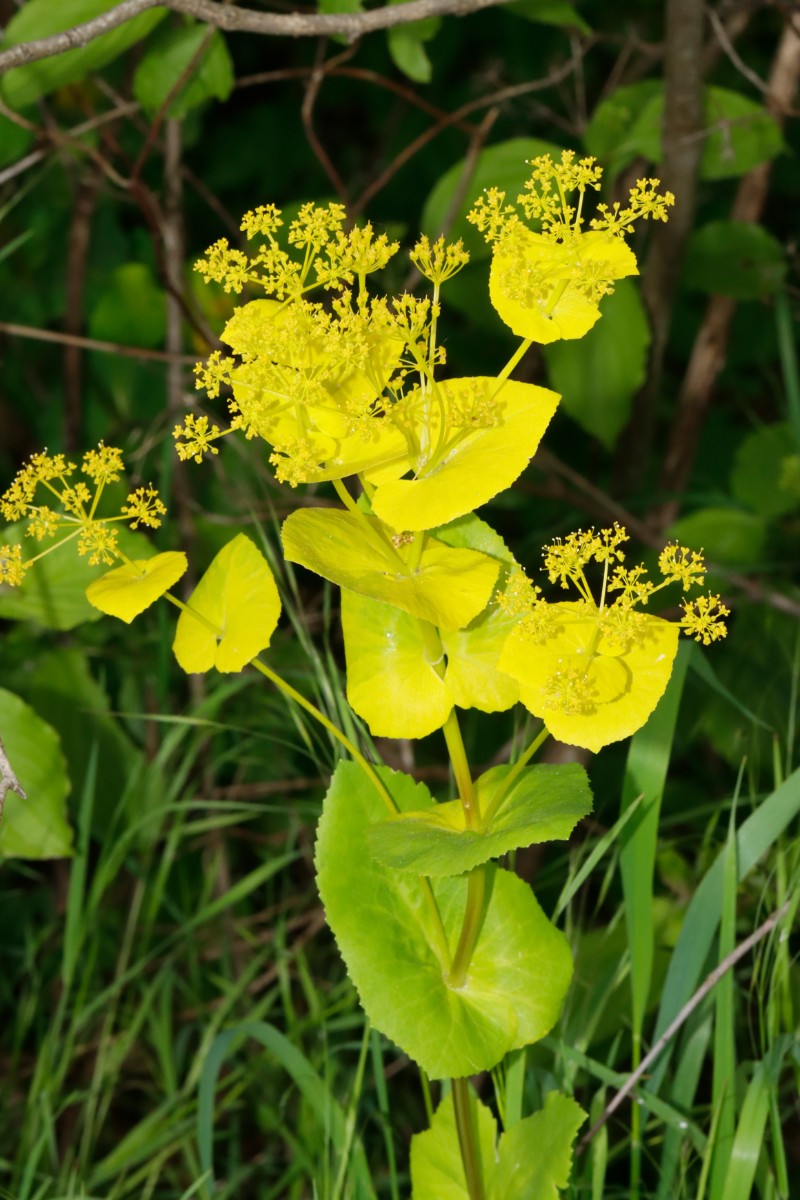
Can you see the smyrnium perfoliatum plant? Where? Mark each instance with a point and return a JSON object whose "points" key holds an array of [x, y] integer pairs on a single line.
{"points": [[451, 954]]}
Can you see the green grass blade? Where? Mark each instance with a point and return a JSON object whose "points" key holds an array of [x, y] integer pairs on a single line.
{"points": [[749, 1138], [755, 836], [297, 1066]]}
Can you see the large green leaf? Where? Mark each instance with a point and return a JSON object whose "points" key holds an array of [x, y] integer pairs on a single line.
{"points": [[406, 44], [40, 18], [543, 804], [503, 166], [53, 592], [449, 587], [232, 612], [482, 463], [36, 827], [734, 258], [766, 471], [169, 58], [726, 535], [131, 309], [388, 938], [532, 1161], [599, 375], [739, 133]]}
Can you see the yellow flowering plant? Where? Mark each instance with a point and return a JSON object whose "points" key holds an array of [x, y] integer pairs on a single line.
{"points": [[451, 954]]}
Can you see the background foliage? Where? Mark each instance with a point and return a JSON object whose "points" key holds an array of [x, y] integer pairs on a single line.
{"points": [[172, 1004]]}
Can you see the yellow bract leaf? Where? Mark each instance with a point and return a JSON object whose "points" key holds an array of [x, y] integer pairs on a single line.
{"points": [[128, 590], [546, 290], [480, 462], [591, 688], [391, 681], [232, 613]]}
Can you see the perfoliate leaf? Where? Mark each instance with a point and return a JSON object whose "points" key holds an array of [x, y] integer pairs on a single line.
{"points": [[448, 587], [600, 374], [403, 679], [36, 827], [532, 1161], [535, 1156], [384, 928], [232, 613], [543, 804], [484, 462], [588, 690], [437, 1169], [561, 305], [390, 681], [130, 589]]}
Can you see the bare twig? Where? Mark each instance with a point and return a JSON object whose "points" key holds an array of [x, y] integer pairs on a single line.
{"points": [[242, 20], [721, 34], [708, 985], [85, 343], [318, 73]]}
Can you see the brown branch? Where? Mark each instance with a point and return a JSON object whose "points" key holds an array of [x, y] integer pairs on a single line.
{"points": [[242, 20], [85, 343], [318, 73], [669, 1033]]}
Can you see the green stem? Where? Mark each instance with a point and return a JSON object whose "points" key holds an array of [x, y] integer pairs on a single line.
{"points": [[467, 1138], [513, 775], [458, 757], [470, 929]]}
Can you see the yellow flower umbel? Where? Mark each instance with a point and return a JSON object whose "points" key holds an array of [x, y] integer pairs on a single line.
{"points": [[594, 671], [547, 284], [71, 509]]}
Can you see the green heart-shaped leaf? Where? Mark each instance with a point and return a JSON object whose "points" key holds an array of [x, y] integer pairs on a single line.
{"points": [[239, 602], [36, 827], [449, 587], [387, 935], [543, 804]]}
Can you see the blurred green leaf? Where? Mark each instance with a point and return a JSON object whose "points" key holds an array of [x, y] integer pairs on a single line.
{"points": [[407, 47], [739, 134], [36, 827], [14, 141], [504, 166], [41, 18], [734, 258], [132, 309], [725, 535], [53, 593], [766, 471], [599, 375], [171, 57], [549, 12]]}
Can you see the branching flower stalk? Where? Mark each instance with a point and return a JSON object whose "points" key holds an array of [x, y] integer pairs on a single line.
{"points": [[437, 615]]}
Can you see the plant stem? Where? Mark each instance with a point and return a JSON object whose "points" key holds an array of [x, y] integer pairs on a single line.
{"points": [[470, 929], [467, 1139], [458, 757]]}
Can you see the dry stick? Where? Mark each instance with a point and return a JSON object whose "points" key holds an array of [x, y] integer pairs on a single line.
{"points": [[70, 339], [708, 985], [710, 348], [684, 120], [242, 20]]}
